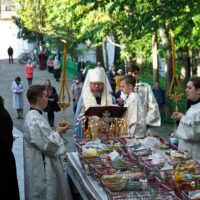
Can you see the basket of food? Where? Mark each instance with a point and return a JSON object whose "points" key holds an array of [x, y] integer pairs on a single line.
{"points": [[137, 190], [123, 181], [185, 180], [192, 194], [86, 160]]}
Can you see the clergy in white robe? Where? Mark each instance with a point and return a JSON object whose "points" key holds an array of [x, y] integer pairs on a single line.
{"points": [[135, 113], [188, 130], [43, 167], [95, 92], [151, 108]]}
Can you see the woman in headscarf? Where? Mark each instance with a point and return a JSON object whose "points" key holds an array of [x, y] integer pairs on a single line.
{"points": [[56, 67], [42, 60], [29, 72], [52, 102], [18, 103]]}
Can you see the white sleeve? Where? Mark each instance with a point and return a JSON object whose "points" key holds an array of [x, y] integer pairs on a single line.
{"points": [[136, 122], [153, 113], [13, 88], [44, 139], [189, 128]]}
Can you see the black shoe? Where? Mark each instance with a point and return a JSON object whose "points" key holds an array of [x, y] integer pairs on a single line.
{"points": [[18, 117], [21, 118]]}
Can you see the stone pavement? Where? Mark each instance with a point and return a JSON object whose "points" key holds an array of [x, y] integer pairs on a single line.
{"points": [[8, 72]]}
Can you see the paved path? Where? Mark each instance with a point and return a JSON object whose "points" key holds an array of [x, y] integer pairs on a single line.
{"points": [[8, 72]]}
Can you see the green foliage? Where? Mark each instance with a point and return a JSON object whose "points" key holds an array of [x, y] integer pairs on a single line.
{"points": [[132, 22]]}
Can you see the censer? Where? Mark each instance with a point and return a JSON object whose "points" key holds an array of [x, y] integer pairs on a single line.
{"points": [[173, 93], [64, 95]]}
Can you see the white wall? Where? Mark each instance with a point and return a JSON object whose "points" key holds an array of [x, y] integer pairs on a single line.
{"points": [[87, 54], [90, 54], [8, 37]]}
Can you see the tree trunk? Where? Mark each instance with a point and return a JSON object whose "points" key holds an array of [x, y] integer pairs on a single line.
{"points": [[164, 34], [99, 54], [155, 57], [186, 65], [168, 70], [106, 53], [117, 60], [187, 68], [191, 64]]}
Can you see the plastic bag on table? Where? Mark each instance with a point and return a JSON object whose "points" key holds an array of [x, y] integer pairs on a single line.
{"points": [[151, 142]]}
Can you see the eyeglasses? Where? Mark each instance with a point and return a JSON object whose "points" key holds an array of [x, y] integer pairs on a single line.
{"points": [[97, 83]]}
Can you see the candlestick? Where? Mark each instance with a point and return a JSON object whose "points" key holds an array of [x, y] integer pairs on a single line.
{"points": [[63, 102], [172, 90]]}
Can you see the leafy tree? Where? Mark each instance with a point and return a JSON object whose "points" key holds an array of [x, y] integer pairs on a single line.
{"points": [[133, 23]]}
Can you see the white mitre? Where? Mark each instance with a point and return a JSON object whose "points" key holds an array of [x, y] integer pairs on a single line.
{"points": [[96, 75]]}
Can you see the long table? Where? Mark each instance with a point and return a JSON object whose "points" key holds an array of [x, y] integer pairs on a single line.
{"points": [[86, 185]]}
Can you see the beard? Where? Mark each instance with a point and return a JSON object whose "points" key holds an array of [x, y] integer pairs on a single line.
{"points": [[97, 94]]}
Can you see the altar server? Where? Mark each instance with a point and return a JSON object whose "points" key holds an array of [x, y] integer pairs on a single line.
{"points": [[135, 114], [43, 148]]}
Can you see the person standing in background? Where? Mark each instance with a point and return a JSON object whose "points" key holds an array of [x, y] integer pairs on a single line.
{"points": [[58, 54], [18, 103], [8, 185], [42, 60], [56, 67], [80, 68], [52, 105], [50, 64], [159, 94], [10, 55], [117, 79], [112, 74], [119, 95], [76, 89], [99, 65], [29, 72]]}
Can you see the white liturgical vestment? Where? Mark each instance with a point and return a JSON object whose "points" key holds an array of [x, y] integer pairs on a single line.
{"points": [[136, 117], [43, 167], [188, 132], [151, 108]]}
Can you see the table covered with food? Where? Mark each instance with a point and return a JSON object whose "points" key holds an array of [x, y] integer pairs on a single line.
{"points": [[115, 166]]}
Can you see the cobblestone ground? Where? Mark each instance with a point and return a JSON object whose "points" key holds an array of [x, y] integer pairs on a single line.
{"points": [[8, 72]]}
